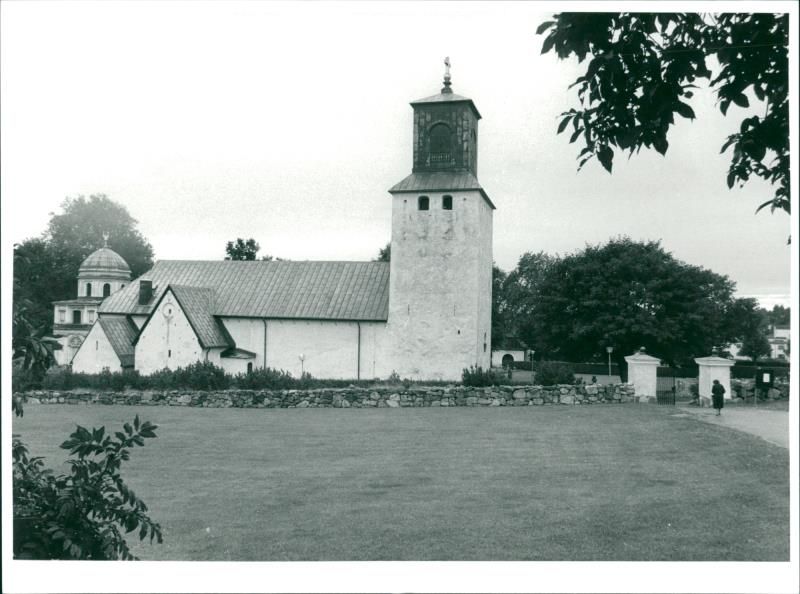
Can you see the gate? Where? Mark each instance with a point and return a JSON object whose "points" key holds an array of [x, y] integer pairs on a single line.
{"points": [[666, 386]]}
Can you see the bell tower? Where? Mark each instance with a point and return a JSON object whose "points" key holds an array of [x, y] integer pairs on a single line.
{"points": [[440, 283]]}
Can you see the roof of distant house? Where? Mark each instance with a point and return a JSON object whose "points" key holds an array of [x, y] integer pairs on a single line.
{"points": [[352, 291]]}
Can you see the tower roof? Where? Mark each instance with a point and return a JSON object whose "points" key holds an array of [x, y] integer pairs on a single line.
{"points": [[446, 95], [104, 261]]}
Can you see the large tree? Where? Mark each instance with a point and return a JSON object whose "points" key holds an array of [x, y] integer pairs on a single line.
{"points": [[520, 297], [628, 294], [46, 268], [644, 68]]}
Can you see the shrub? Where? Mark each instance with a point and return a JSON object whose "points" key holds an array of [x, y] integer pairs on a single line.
{"points": [[476, 376], [551, 373], [265, 379], [80, 515], [23, 380], [58, 378]]}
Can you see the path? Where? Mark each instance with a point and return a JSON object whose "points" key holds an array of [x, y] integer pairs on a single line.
{"points": [[770, 425]]}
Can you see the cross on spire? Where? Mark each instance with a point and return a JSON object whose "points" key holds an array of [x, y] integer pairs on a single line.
{"points": [[446, 88], [105, 239]]}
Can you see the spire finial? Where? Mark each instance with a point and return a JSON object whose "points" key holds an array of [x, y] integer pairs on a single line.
{"points": [[105, 239], [446, 88]]}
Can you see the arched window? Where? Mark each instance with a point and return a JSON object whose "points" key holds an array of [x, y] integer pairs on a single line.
{"points": [[423, 203], [88, 289], [441, 144], [447, 202], [106, 290]]}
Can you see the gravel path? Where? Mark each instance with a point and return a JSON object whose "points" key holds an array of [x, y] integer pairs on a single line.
{"points": [[770, 425]]}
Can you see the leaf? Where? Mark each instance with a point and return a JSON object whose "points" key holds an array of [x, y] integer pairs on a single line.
{"points": [[575, 135], [544, 27], [563, 124], [684, 110], [731, 179], [548, 43], [136, 422], [723, 107], [767, 203], [741, 100], [606, 156], [661, 144], [128, 428]]}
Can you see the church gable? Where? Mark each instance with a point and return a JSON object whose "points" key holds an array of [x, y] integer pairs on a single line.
{"points": [[96, 353]]}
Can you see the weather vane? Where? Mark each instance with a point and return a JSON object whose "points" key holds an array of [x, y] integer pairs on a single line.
{"points": [[105, 239]]}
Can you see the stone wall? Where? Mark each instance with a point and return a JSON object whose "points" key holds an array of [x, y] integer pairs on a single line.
{"points": [[743, 388], [351, 397]]}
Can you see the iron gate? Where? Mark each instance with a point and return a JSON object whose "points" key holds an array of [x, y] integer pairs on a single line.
{"points": [[666, 386]]}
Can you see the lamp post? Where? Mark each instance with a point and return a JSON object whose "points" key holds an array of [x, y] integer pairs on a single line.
{"points": [[609, 350], [302, 360]]}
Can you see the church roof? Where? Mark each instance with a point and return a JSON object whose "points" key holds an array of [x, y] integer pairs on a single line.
{"points": [[104, 260], [440, 181], [121, 332], [353, 291], [199, 304]]}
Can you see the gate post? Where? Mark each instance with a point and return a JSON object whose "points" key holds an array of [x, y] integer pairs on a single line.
{"points": [[710, 369], [642, 374]]}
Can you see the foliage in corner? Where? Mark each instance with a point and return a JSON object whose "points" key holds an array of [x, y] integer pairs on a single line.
{"points": [[478, 377], [81, 515], [644, 67]]}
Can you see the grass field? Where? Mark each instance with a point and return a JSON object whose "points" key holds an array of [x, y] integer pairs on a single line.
{"points": [[606, 482]]}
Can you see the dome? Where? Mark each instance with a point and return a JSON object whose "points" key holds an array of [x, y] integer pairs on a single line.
{"points": [[104, 262]]}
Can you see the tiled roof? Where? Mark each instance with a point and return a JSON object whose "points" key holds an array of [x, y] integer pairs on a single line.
{"points": [[289, 290], [198, 303], [440, 181], [121, 332]]}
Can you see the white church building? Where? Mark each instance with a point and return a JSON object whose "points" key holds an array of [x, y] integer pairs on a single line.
{"points": [[424, 315]]}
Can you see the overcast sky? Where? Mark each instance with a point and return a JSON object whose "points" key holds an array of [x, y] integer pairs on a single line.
{"points": [[289, 123]]}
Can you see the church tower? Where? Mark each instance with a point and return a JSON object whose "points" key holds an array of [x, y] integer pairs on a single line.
{"points": [[440, 284]]}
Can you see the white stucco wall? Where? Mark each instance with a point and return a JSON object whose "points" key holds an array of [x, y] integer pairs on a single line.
{"points": [[497, 356], [168, 340], [96, 353], [62, 314], [65, 354], [440, 287], [330, 349]]}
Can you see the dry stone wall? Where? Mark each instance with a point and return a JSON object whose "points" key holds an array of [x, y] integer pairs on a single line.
{"points": [[353, 397]]}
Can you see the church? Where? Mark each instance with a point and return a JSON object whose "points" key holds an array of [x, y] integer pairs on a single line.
{"points": [[424, 315]]}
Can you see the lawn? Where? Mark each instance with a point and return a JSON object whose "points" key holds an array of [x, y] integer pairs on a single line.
{"points": [[605, 482]]}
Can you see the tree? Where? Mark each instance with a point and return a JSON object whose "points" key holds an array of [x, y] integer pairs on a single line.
{"points": [[627, 294], [500, 322], [80, 515], [242, 249], [643, 66], [385, 253], [46, 268], [780, 315], [750, 324], [520, 293]]}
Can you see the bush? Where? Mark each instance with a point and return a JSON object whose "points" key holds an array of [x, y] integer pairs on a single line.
{"points": [[476, 376], [23, 380], [265, 379], [80, 515], [551, 373], [58, 378]]}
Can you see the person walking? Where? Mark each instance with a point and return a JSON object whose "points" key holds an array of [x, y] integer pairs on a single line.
{"points": [[717, 396]]}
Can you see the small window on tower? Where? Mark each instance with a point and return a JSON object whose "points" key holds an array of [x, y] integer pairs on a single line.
{"points": [[423, 203], [106, 290], [88, 289], [447, 202], [76, 316]]}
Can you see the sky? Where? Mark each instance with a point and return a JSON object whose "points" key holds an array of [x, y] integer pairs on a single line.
{"points": [[288, 123]]}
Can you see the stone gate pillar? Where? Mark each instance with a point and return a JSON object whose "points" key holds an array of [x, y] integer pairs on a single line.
{"points": [[710, 369], [642, 374]]}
